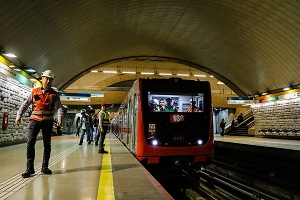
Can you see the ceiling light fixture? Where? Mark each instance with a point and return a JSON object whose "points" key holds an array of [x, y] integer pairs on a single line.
{"points": [[110, 72], [94, 71], [182, 75], [200, 75], [30, 70], [165, 74], [147, 73], [11, 55], [220, 83], [128, 72]]}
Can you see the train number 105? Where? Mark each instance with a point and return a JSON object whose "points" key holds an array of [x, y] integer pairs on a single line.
{"points": [[176, 118]]}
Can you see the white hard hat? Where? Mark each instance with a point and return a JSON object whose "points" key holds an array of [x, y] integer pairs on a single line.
{"points": [[48, 73]]}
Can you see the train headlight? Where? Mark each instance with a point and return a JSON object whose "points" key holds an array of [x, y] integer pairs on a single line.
{"points": [[154, 142], [199, 142]]}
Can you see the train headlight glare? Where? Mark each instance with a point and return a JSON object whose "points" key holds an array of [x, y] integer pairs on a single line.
{"points": [[154, 142], [199, 142]]}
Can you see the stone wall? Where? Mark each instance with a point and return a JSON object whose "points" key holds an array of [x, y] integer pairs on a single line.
{"points": [[12, 95], [279, 118]]}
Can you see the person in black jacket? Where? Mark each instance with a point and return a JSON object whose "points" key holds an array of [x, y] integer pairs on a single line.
{"points": [[222, 125]]}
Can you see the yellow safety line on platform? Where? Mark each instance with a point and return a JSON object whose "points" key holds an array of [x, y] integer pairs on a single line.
{"points": [[106, 188]]}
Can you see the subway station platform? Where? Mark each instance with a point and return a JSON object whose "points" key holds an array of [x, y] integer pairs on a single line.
{"points": [[79, 172], [280, 148]]}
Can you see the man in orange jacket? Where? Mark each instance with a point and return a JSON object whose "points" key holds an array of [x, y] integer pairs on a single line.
{"points": [[44, 101]]}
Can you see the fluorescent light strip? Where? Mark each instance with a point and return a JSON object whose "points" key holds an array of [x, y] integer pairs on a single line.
{"points": [[147, 72], [110, 72], [200, 75], [182, 75], [165, 74], [94, 71], [11, 55], [128, 72]]}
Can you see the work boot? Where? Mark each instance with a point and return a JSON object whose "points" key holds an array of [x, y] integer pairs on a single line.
{"points": [[102, 151], [46, 171], [28, 173]]}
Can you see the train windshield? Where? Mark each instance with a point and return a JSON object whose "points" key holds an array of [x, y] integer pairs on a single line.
{"points": [[175, 102]]}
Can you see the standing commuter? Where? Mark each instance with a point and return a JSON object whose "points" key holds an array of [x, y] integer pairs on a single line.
{"points": [[85, 127], [102, 128], [222, 125], [69, 124], [95, 124], [44, 101], [77, 126]]}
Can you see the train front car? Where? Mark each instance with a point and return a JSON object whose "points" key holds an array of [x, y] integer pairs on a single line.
{"points": [[176, 126]]}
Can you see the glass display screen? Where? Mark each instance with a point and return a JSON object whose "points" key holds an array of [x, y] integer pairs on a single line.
{"points": [[175, 102]]}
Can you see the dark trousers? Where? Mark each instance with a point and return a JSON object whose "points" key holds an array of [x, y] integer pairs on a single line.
{"points": [[83, 131], [101, 137], [33, 131], [77, 132]]}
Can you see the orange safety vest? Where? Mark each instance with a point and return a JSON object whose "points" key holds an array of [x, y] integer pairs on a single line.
{"points": [[196, 109], [43, 104]]}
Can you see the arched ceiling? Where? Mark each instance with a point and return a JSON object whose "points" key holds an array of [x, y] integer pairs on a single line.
{"points": [[252, 46], [97, 80]]}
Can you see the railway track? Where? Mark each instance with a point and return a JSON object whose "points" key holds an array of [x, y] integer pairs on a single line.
{"points": [[223, 181], [215, 186]]}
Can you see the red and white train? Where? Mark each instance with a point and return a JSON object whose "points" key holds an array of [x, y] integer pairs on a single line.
{"points": [[167, 121]]}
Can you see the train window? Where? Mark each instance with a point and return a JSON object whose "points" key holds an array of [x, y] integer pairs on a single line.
{"points": [[175, 102]]}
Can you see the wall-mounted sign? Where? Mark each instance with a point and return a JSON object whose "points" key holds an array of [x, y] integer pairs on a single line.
{"points": [[239, 100], [289, 96], [280, 97]]}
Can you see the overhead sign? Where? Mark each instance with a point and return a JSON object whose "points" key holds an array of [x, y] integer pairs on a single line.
{"points": [[239, 100], [74, 97], [93, 94]]}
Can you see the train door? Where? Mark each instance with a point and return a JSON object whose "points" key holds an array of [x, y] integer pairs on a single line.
{"points": [[134, 120], [129, 133]]}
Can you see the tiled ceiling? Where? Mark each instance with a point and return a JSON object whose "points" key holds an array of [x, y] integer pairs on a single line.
{"points": [[252, 46]]}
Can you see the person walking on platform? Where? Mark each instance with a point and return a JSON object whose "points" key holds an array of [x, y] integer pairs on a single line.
{"points": [[102, 128], [44, 101], [222, 125], [85, 127]]}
